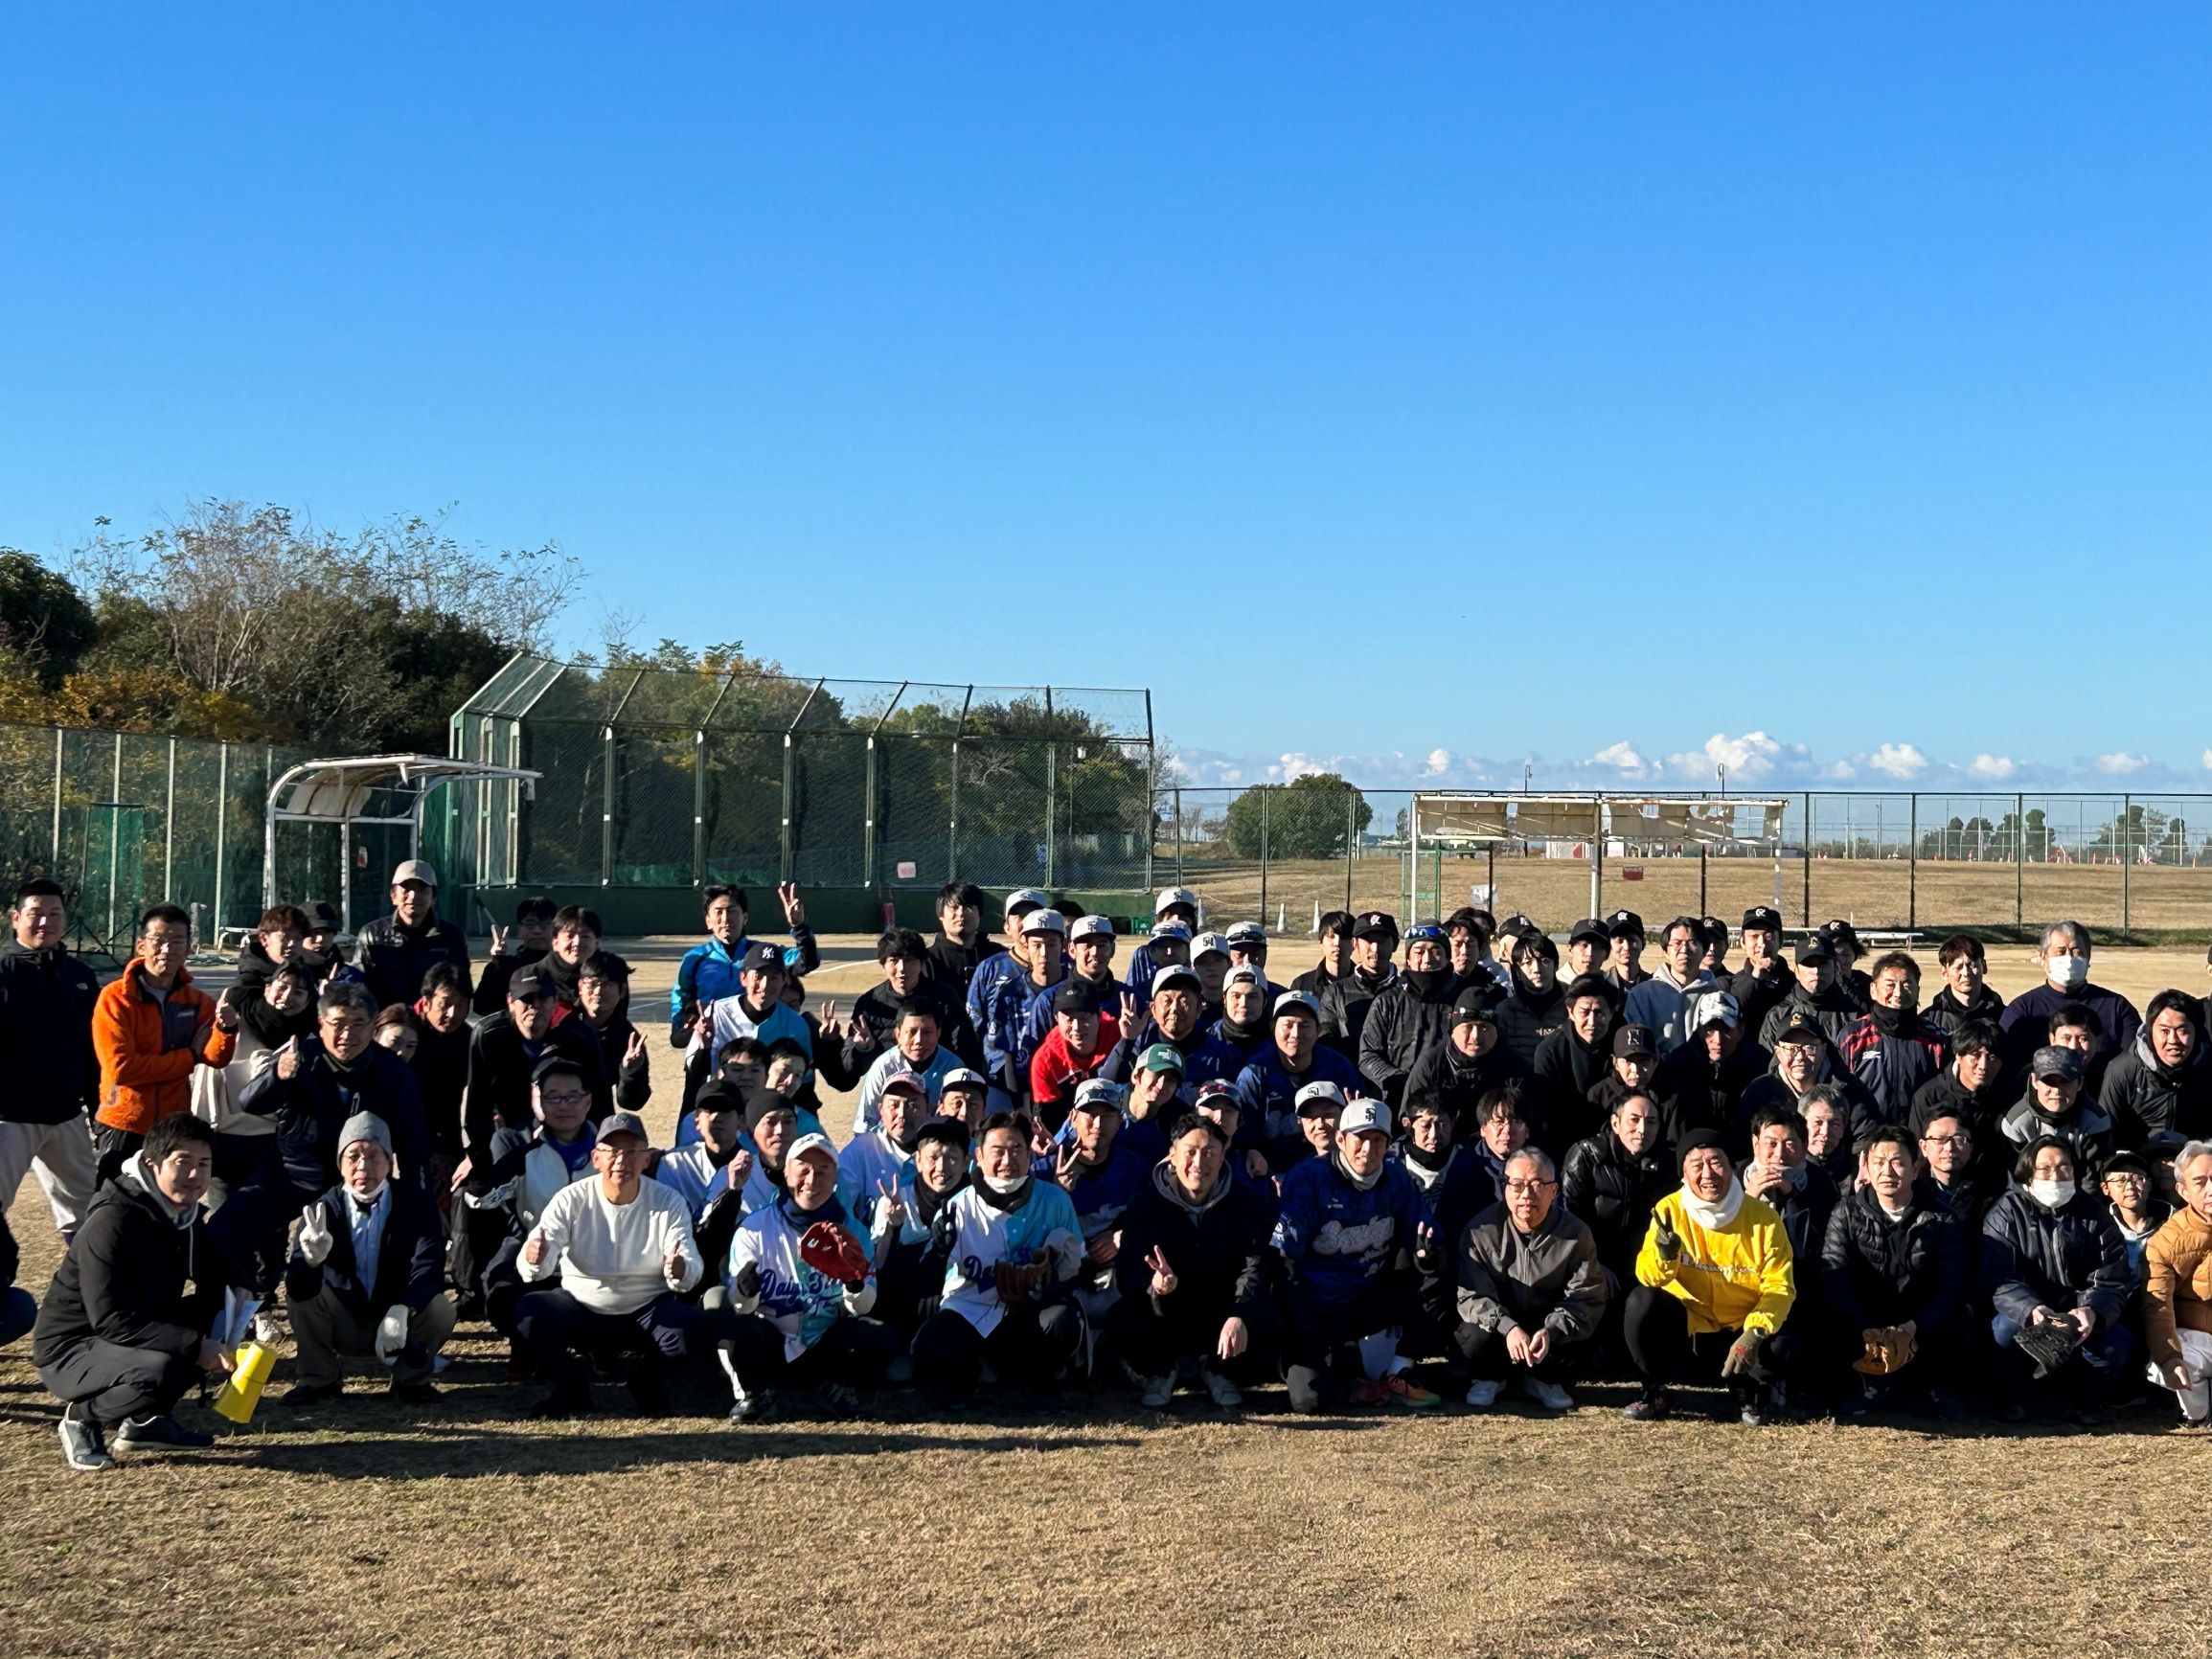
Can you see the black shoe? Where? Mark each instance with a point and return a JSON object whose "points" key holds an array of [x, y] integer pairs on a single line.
{"points": [[415, 1393], [1947, 1406], [1648, 1407], [302, 1394], [82, 1446], [757, 1406], [841, 1399], [162, 1433], [2012, 1411], [562, 1402]]}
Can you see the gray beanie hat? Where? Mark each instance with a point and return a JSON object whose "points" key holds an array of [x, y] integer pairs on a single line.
{"points": [[365, 1127]]}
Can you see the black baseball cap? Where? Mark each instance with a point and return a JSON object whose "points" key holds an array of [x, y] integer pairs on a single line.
{"points": [[1074, 998], [1477, 1002], [529, 982], [1763, 916], [763, 959], [1633, 1042], [1375, 924], [322, 916], [1589, 927], [1813, 948], [1623, 925]]}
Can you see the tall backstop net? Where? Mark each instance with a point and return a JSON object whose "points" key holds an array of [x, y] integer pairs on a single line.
{"points": [[665, 778]]}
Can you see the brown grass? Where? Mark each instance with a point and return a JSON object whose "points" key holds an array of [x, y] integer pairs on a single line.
{"points": [[464, 1530]]}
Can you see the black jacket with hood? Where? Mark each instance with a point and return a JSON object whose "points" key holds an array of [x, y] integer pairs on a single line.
{"points": [[123, 1280]]}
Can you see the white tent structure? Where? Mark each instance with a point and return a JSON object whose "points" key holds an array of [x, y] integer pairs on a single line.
{"points": [[381, 789]]}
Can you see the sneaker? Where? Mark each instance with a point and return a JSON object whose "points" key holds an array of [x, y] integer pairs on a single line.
{"points": [[520, 1367], [901, 1370], [1221, 1390], [1751, 1414], [439, 1364], [1648, 1407], [1402, 1388], [842, 1399], [82, 1446], [267, 1330], [1366, 1393], [162, 1433], [1482, 1394], [1548, 1395], [414, 1393], [302, 1394], [1154, 1391], [562, 1402], [752, 1407], [1947, 1405]]}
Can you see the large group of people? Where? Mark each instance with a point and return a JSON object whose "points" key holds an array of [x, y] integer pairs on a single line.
{"points": [[1441, 1161]]}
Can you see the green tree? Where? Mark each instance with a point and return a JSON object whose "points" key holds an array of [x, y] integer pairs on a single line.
{"points": [[45, 623], [1306, 818]]}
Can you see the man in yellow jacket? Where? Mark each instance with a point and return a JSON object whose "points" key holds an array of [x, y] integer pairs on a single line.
{"points": [[1714, 1282]]}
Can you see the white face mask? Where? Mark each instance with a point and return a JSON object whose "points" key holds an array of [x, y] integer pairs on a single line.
{"points": [[2052, 1194], [1003, 1185], [2068, 972]]}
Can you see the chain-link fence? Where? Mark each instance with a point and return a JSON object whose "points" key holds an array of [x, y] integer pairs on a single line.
{"points": [[124, 820], [2136, 865], [657, 777]]}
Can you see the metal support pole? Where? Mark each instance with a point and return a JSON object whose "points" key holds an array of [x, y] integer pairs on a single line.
{"points": [[114, 830], [1492, 873], [1597, 867], [952, 824], [56, 869], [1809, 860], [868, 817], [607, 808], [1913, 864], [1263, 855], [1178, 837], [2020, 857], [1350, 839], [1051, 810], [223, 800], [346, 874], [785, 837], [2127, 858], [699, 808], [168, 831]]}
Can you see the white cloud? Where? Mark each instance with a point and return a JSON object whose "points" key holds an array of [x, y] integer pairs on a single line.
{"points": [[1898, 760], [1997, 767], [1293, 766], [1621, 756], [1749, 757], [1837, 772], [2208, 757], [2120, 764], [1439, 764]]}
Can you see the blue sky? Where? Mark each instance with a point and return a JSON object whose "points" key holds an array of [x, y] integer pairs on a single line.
{"points": [[1417, 391]]}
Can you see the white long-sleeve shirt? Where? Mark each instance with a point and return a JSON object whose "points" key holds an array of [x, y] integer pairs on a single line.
{"points": [[609, 1256]]}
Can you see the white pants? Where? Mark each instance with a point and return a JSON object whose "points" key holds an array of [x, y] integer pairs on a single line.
{"points": [[60, 1155], [2197, 1355]]}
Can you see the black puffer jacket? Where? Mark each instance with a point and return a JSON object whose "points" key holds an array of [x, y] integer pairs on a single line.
{"points": [[46, 999], [1444, 1076], [1834, 1010], [393, 959], [1613, 1190], [2063, 1259], [1527, 1017], [1946, 1013], [1345, 1004], [1874, 1271], [1567, 1068], [1218, 1248], [1410, 1015], [2142, 1096], [1700, 1095], [123, 1278], [1756, 995]]}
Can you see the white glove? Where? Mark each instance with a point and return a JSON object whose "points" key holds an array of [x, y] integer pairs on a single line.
{"points": [[392, 1334], [315, 1237]]}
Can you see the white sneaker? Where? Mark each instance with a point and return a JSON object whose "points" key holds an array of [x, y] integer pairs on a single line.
{"points": [[1156, 1391], [267, 1330], [1226, 1394], [1482, 1394], [1548, 1395]]}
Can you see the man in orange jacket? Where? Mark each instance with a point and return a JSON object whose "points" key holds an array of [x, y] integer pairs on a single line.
{"points": [[149, 1029]]}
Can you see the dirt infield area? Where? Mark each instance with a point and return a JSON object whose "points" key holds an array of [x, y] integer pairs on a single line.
{"points": [[460, 1529]]}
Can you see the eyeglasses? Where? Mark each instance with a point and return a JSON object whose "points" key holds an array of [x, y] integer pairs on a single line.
{"points": [[1947, 1140], [566, 1098], [1521, 1188]]}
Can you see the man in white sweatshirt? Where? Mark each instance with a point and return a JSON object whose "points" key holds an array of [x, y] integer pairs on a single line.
{"points": [[623, 1248]]}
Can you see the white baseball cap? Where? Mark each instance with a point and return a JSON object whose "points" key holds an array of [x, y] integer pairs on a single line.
{"points": [[1175, 895], [1364, 1115], [1091, 928], [1046, 920]]}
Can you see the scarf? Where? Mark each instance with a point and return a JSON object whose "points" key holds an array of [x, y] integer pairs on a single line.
{"points": [[927, 1203], [1364, 1183], [1892, 1022], [1427, 984], [1008, 1201], [1715, 1218]]}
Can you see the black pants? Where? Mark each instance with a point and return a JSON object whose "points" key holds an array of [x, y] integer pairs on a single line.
{"points": [[113, 1382], [1663, 1349], [252, 1231], [1488, 1360], [852, 1351], [561, 1332], [114, 1149], [909, 1287], [1321, 1343], [1938, 1354], [1028, 1346], [1156, 1339]]}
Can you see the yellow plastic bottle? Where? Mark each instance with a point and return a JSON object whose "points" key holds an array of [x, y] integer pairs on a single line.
{"points": [[241, 1390]]}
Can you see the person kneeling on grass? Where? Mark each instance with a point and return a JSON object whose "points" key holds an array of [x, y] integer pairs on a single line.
{"points": [[368, 1275], [1531, 1290], [2058, 1283], [1012, 1249], [1354, 1234], [623, 1250], [802, 1285], [2178, 1299], [1193, 1270], [1715, 1280], [118, 1338]]}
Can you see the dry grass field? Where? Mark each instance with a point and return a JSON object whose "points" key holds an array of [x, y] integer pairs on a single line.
{"points": [[462, 1529], [1870, 893]]}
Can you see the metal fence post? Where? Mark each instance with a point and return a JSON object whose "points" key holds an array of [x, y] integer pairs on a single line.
{"points": [[56, 870], [115, 831], [2126, 823], [2020, 857], [952, 821], [1050, 809], [699, 807], [868, 814], [1351, 838], [169, 830], [1912, 862], [1178, 803], [1263, 855], [607, 809], [784, 852], [1809, 859], [222, 801]]}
